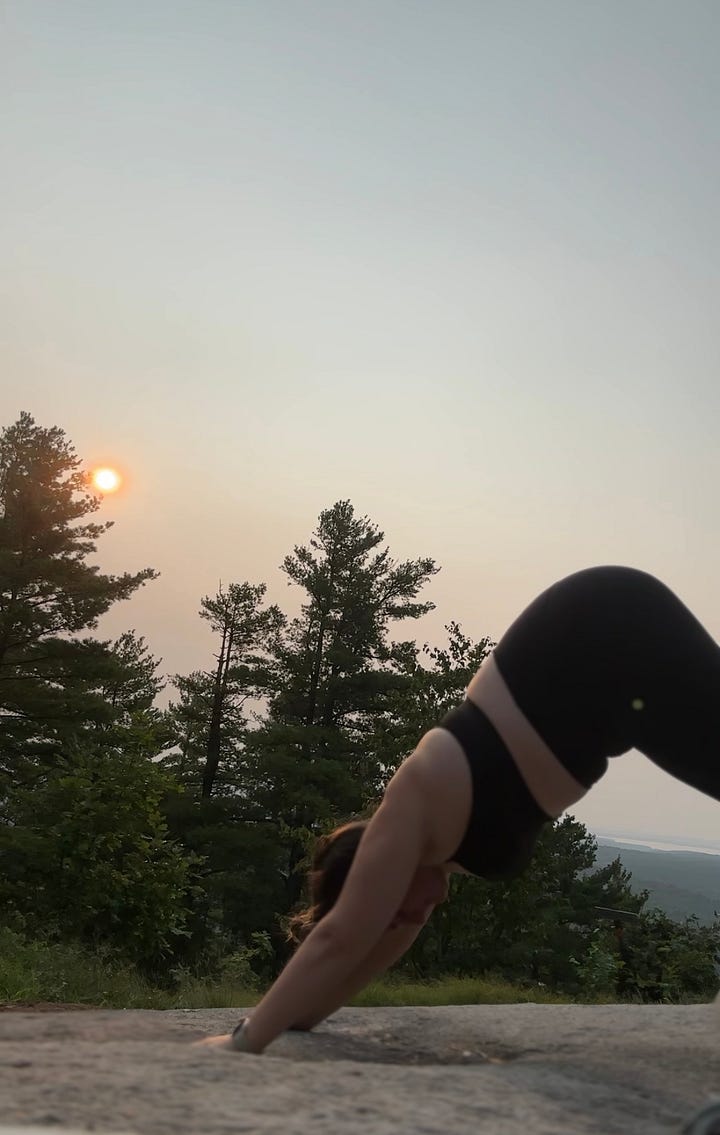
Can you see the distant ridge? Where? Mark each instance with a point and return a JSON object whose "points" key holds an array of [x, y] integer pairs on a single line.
{"points": [[681, 883], [658, 842]]}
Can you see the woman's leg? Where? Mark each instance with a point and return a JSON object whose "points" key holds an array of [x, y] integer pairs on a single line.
{"points": [[675, 708], [608, 660]]}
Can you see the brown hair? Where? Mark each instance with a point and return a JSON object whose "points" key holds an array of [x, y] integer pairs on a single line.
{"points": [[331, 862]]}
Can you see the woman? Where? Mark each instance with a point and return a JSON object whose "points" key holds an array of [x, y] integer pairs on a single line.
{"points": [[604, 661]]}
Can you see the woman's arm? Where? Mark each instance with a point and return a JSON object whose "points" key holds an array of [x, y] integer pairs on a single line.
{"points": [[393, 944], [391, 947], [320, 972]]}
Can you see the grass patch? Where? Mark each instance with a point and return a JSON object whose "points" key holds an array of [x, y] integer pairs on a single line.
{"points": [[37, 971], [33, 971], [455, 991]]}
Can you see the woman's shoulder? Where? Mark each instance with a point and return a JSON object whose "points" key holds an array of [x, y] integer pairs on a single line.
{"points": [[440, 771]]}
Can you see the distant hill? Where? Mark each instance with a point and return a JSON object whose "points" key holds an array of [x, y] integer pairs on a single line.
{"points": [[681, 883]]}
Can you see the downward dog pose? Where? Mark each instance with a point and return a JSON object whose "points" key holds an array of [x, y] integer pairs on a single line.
{"points": [[604, 661]]}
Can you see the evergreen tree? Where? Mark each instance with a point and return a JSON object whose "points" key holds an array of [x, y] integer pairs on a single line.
{"points": [[218, 818], [312, 758], [83, 848], [50, 677], [211, 715]]}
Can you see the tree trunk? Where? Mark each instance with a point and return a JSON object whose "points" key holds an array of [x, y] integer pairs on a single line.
{"points": [[295, 878], [212, 754]]}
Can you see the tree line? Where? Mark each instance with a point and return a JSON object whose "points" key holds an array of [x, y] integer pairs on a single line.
{"points": [[177, 836]]}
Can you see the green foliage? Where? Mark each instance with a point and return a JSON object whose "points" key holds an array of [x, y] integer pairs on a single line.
{"points": [[670, 961], [88, 853], [239, 876], [249, 966], [598, 971]]}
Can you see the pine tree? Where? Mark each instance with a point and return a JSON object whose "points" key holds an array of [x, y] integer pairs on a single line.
{"points": [[211, 715], [313, 764], [51, 679]]}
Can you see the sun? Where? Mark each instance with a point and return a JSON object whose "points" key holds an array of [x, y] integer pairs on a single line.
{"points": [[106, 480]]}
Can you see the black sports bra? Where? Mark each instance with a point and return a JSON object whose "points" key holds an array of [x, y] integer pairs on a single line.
{"points": [[505, 820]]}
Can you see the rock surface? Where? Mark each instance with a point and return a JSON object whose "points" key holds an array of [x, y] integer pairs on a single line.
{"points": [[505, 1070]]}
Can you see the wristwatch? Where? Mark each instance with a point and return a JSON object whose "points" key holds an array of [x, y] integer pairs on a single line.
{"points": [[239, 1039]]}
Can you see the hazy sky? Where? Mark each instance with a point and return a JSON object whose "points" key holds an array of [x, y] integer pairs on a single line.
{"points": [[457, 261]]}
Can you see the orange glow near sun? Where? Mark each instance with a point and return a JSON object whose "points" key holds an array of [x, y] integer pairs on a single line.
{"points": [[106, 480]]}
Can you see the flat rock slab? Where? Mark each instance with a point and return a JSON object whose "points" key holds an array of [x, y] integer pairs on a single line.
{"points": [[495, 1069]]}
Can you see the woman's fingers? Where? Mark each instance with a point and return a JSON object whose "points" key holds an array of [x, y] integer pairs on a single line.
{"points": [[224, 1041]]}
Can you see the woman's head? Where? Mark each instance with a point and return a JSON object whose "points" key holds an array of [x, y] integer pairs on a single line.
{"points": [[331, 862]]}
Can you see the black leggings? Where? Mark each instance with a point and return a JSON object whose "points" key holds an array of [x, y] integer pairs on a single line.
{"points": [[608, 660]]}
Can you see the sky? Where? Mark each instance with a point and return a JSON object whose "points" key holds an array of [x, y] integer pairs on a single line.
{"points": [[454, 261]]}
